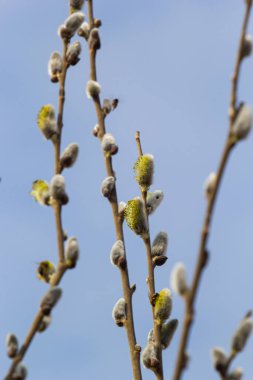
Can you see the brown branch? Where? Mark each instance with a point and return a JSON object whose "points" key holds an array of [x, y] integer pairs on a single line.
{"points": [[127, 290], [151, 275], [202, 254]]}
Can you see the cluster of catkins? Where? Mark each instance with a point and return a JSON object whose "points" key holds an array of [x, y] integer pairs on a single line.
{"points": [[221, 360]]}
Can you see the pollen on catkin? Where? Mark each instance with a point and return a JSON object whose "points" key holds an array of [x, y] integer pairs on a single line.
{"points": [[72, 251], [50, 299], [57, 189], [135, 217], [119, 312], [73, 53], [93, 89], [144, 170], [117, 254], [40, 192], [45, 271], [108, 187], [69, 156], [242, 124], [178, 279], [109, 145], [163, 305], [12, 345], [46, 121], [153, 200], [242, 334], [55, 66]]}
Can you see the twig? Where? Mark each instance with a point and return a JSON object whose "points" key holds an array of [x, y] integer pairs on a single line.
{"points": [[201, 260], [62, 267], [127, 290], [151, 275]]}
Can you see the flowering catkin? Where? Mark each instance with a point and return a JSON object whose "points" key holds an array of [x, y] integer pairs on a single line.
{"points": [[40, 192], [46, 121], [163, 305], [144, 170], [135, 216]]}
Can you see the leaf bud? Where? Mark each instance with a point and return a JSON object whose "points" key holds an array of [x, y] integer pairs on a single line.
{"points": [[97, 22], [119, 312], [76, 5], [93, 89], [144, 170], [178, 279], [73, 52], [236, 374], [108, 187], [84, 30], [46, 121], [72, 251], [94, 39], [20, 372], [12, 345], [95, 130], [50, 300], [69, 155], [55, 66], [242, 334], [57, 189], [150, 357], [242, 124], [209, 185], [108, 144], [163, 305], [153, 200], [44, 324], [135, 217], [219, 359], [117, 254]]}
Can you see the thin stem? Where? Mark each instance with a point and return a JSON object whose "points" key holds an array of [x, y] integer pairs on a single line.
{"points": [[127, 290], [202, 254], [151, 275]]}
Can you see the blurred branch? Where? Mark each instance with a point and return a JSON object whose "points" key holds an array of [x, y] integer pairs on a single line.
{"points": [[190, 297], [127, 291]]}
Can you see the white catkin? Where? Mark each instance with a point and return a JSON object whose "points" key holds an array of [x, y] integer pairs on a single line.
{"points": [[117, 253], [209, 184], [160, 244], [70, 155], [72, 250], [242, 334], [119, 312], [236, 374], [153, 200], [219, 358], [178, 279], [93, 89], [243, 122]]}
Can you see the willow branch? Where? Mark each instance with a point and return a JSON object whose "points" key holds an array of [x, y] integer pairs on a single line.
{"points": [[127, 290], [190, 298], [151, 275]]}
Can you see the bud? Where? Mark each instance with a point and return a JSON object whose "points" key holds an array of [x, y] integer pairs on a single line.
{"points": [[63, 32], [45, 271], [84, 30], [209, 185], [144, 170], [242, 334], [46, 121], [73, 22], [12, 345], [236, 374], [73, 52], [76, 5], [93, 89], [108, 144], [121, 210], [108, 187], [20, 372], [219, 359], [72, 251], [150, 357], [57, 189], [46, 321], [54, 66], [163, 305], [95, 130], [119, 312], [115, 103], [160, 244], [69, 155], [178, 279], [153, 200], [107, 106], [242, 124], [94, 39], [135, 217], [246, 47], [167, 332], [97, 22], [50, 300], [40, 192], [117, 254]]}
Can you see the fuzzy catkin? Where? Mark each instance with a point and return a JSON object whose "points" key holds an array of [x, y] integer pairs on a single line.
{"points": [[119, 312], [178, 279]]}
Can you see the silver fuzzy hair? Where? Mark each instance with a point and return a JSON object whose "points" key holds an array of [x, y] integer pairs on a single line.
{"points": [[70, 155], [84, 30], [20, 372], [12, 345], [119, 312], [209, 184], [72, 250], [94, 39], [117, 254], [163, 305], [178, 279], [76, 4], [219, 358], [160, 244], [73, 53], [44, 324], [57, 188], [153, 200], [243, 123], [108, 186], [73, 22], [108, 144], [236, 374], [149, 356], [167, 332], [54, 64], [93, 89], [242, 334], [50, 299]]}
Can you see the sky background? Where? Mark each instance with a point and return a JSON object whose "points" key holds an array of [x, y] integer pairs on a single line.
{"points": [[169, 63]]}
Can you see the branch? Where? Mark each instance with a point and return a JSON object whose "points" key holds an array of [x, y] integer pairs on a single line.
{"points": [[202, 254], [127, 290], [151, 274]]}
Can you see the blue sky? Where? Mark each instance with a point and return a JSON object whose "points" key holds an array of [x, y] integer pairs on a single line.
{"points": [[170, 65]]}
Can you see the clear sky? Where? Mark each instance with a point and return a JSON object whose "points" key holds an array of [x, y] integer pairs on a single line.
{"points": [[169, 63]]}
